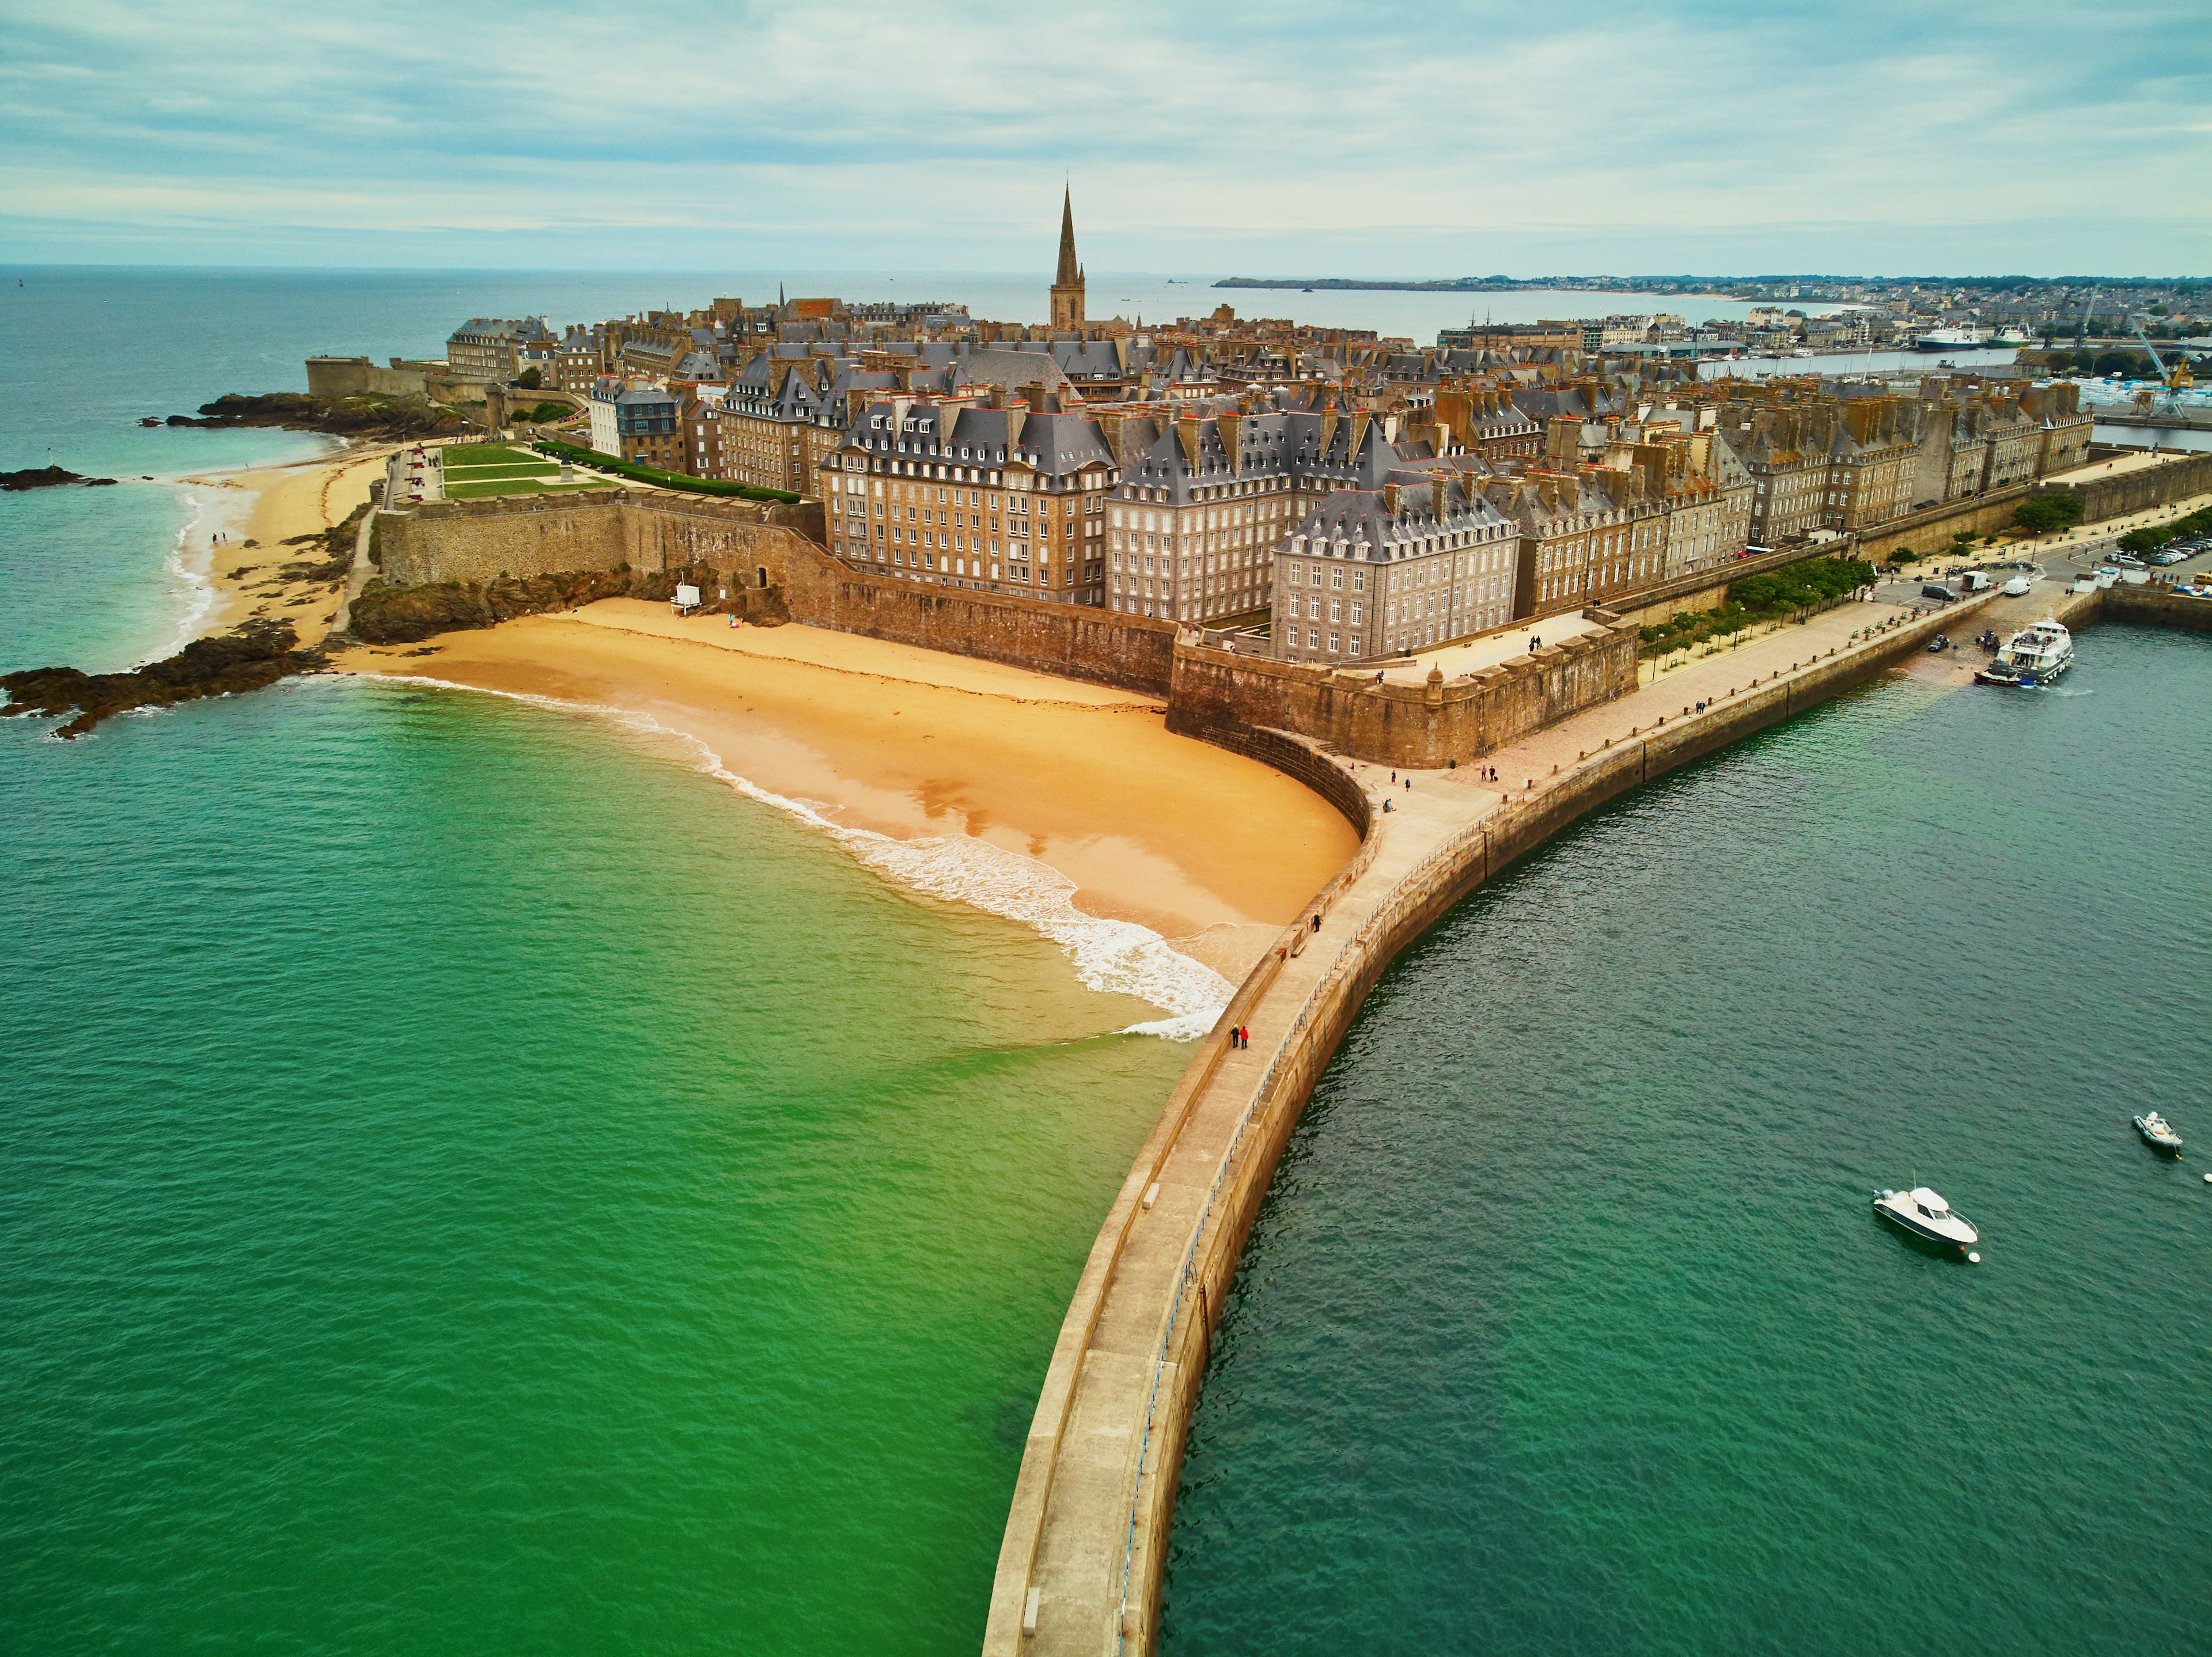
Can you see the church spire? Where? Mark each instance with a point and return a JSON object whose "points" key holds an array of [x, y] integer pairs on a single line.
{"points": [[1068, 286], [1069, 271]]}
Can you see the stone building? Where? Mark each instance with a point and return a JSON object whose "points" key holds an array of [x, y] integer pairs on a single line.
{"points": [[637, 423], [1377, 573], [981, 492], [579, 359], [767, 419], [1204, 499], [702, 439], [1582, 533], [2064, 442], [488, 348]]}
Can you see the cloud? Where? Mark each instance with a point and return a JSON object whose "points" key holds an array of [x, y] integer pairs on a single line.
{"points": [[1427, 139]]}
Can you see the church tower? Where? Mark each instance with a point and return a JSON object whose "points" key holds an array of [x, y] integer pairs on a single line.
{"points": [[1068, 285]]}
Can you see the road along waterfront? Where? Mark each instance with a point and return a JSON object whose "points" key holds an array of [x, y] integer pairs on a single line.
{"points": [[1080, 1566]]}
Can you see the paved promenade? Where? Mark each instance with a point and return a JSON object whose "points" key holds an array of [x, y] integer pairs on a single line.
{"points": [[1079, 1568]]}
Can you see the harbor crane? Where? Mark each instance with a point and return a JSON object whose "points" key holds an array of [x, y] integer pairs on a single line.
{"points": [[2174, 380]]}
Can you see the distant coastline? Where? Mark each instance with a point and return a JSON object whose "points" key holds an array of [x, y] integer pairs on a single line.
{"points": [[1672, 285]]}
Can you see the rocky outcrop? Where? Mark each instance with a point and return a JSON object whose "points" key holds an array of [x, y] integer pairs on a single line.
{"points": [[257, 654], [387, 615], [367, 416], [47, 477], [384, 615]]}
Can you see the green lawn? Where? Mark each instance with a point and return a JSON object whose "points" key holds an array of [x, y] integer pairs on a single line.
{"points": [[482, 474], [485, 454], [512, 486]]}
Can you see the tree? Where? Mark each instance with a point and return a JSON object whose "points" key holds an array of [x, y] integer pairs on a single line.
{"points": [[528, 379], [2046, 512]]}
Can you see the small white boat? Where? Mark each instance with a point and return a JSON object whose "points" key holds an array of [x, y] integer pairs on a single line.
{"points": [[1927, 1217], [2157, 1133]]}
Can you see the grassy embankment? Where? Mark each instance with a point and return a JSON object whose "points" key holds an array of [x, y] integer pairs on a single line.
{"points": [[476, 470]]}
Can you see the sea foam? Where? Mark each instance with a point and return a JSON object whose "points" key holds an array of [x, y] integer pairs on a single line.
{"points": [[1116, 957]]}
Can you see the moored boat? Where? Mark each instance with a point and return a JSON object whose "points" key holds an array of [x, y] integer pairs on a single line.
{"points": [[1950, 339], [2157, 1133], [1927, 1217], [2038, 654]]}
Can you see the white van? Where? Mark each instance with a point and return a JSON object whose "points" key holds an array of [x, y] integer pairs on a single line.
{"points": [[1973, 580]]}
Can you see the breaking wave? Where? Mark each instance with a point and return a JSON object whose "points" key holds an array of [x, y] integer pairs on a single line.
{"points": [[1116, 957]]}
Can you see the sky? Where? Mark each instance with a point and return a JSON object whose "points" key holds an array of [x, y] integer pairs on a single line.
{"points": [[1872, 138]]}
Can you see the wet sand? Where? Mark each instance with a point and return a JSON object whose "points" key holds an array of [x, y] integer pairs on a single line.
{"points": [[1213, 851]]}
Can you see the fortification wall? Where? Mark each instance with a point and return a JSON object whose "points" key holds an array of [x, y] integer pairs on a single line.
{"points": [[1400, 725], [1931, 530], [746, 545], [2117, 494], [2147, 606], [356, 376]]}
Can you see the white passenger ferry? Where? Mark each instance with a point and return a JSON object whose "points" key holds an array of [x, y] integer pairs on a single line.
{"points": [[2034, 655]]}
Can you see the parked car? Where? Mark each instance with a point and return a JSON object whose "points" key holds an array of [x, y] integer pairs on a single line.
{"points": [[2127, 561], [1939, 592]]}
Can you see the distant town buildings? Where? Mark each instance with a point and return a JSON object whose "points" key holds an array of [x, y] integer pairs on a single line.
{"points": [[1325, 495]]}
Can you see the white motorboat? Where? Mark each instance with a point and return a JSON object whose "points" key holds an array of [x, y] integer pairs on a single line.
{"points": [[1927, 1217], [2157, 1133], [2038, 654]]}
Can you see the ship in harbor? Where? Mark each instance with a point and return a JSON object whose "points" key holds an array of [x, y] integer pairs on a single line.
{"points": [[2034, 655], [1958, 337]]}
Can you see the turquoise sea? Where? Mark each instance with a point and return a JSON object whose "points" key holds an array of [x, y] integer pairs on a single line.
{"points": [[476, 1180], [1567, 1326]]}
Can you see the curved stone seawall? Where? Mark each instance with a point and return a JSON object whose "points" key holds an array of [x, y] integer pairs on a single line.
{"points": [[1080, 1566]]}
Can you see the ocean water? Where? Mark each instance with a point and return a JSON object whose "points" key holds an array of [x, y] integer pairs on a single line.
{"points": [[478, 1179], [1566, 1327], [477, 1182]]}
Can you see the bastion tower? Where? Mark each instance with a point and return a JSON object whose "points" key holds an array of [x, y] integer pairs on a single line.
{"points": [[1067, 284]]}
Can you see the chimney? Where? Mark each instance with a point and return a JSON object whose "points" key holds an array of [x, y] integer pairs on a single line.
{"points": [[997, 397], [1033, 394], [1390, 492]]}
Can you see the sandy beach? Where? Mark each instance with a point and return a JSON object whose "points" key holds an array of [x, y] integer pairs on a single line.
{"points": [[279, 504], [1213, 851]]}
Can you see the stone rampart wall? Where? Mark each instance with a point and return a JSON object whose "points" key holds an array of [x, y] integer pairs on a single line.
{"points": [[2118, 494], [744, 545], [357, 376], [2147, 606], [1400, 725], [1930, 531]]}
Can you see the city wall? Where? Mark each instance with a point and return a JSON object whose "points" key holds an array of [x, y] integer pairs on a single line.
{"points": [[2147, 606], [1401, 725], [1931, 529], [356, 376], [2117, 494], [729, 545]]}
